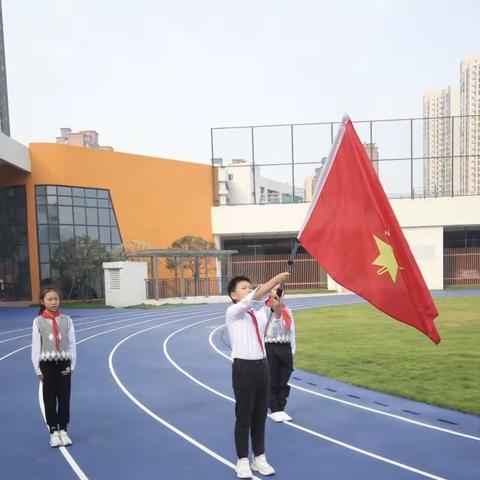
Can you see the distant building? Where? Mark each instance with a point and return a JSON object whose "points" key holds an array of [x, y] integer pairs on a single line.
{"points": [[451, 136], [311, 181], [84, 138], [372, 152], [441, 141], [470, 126], [4, 117], [239, 183]]}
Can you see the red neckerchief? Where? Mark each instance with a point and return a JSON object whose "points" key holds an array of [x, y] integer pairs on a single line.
{"points": [[257, 330], [287, 319], [53, 317]]}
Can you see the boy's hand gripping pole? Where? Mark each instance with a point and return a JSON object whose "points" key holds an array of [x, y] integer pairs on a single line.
{"points": [[289, 265]]}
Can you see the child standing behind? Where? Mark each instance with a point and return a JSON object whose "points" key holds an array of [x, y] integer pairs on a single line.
{"points": [[280, 344], [53, 357], [246, 322]]}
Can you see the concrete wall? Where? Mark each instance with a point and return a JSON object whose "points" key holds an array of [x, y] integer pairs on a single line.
{"points": [[125, 283], [14, 153], [422, 221]]}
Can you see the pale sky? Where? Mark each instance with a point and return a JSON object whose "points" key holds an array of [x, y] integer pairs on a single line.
{"points": [[153, 76]]}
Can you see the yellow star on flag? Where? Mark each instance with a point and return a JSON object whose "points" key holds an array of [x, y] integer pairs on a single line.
{"points": [[386, 260]]}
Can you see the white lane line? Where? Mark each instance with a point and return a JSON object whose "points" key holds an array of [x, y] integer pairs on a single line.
{"points": [[77, 331], [123, 313], [151, 318], [351, 404], [73, 464], [118, 318], [70, 460], [161, 420], [96, 318], [292, 424], [75, 321], [14, 352]]}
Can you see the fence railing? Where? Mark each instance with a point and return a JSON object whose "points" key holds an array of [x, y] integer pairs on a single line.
{"points": [[185, 287], [414, 157], [307, 274], [461, 267]]}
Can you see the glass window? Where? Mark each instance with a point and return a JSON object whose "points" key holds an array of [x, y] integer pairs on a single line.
{"points": [[92, 217], [41, 214], [22, 234], [65, 191], [23, 253], [103, 194], [65, 200], [45, 271], [44, 253], [43, 233], [105, 235], [52, 214], [113, 220], [104, 216], [79, 216], [80, 230], [53, 250], [65, 215], [66, 232], [80, 201], [92, 232], [115, 236], [53, 233]]}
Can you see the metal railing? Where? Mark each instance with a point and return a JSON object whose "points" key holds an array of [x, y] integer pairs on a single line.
{"points": [[185, 287], [307, 274], [461, 266], [414, 157]]}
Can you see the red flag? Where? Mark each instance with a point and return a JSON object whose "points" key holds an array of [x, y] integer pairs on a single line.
{"points": [[352, 232]]}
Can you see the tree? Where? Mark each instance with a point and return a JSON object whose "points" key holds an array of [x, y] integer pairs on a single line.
{"points": [[78, 261], [129, 247], [194, 264]]}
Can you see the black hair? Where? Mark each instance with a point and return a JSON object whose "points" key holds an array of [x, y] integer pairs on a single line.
{"points": [[42, 296], [232, 284]]}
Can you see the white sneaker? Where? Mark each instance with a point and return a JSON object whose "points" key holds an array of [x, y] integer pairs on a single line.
{"points": [[55, 439], [261, 465], [66, 440], [243, 468], [277, 416], [286, 417]]}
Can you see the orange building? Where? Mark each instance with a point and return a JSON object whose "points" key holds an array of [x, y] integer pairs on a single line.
{"points": [[110, 196]]}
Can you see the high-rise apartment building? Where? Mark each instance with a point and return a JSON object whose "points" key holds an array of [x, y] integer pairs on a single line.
{"points": [[441, 141], [451, 136], [470, 125], [4, 117]]}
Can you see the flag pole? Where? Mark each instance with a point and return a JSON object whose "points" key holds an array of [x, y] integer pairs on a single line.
{"points": [[290, 261]]}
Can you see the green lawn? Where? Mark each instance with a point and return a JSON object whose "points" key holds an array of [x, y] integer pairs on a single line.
{"points": [[303, 292], [359, 345]]}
